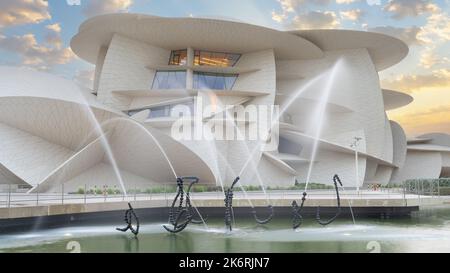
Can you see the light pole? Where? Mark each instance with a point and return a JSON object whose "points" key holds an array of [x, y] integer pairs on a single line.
{"points": [[354, 145]]}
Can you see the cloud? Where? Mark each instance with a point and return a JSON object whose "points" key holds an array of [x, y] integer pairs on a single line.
{"points": [[73, 2], [54, 27], [53, 36], [373, 2], [85, 78], [434, 119], [278, 17], [429, 59], [316, 20], [352, 15], [295, 7], [413, 83], [345, 1], [410, 8], [19, 12], [435, 33], [436, 29], [35, 54], [408, 35], [96, 7], [442, 109]]}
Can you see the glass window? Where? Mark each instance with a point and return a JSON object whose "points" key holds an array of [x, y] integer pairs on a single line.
{"points": [[178, 57], [203, 80], [169, 80], [215, 58], [175, 110]]}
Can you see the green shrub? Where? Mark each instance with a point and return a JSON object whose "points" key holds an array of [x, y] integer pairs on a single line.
{"points": [[199, 188], [426, 186], [161, 189]]}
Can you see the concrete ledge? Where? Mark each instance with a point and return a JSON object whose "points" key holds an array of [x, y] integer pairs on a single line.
{"points": [[39, 217], [62, 209]]}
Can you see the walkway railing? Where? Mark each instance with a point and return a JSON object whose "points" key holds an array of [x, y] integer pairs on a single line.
{"points": [[409, 190]]}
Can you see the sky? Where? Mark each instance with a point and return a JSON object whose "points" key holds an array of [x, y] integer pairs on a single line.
{"points": [[37, 33]]}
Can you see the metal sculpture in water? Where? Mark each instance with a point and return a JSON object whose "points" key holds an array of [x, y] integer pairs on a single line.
{"points": [[229, 215], [297, 218], [264, 221], [130, 215], [336, 180], [176, 214]]}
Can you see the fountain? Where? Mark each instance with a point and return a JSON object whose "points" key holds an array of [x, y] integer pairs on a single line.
{"points": [[185, 207], [319, 113]]}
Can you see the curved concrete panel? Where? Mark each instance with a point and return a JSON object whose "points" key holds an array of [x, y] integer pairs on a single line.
{"points": [[383, 175], [385, 50], [29, 157], [418, 164], [78, 163], [399, 140], [395, 99], [7, 177], [67, 124], [25, 82], [176, 33], [137, 152], [437, 138], [50, 107]]}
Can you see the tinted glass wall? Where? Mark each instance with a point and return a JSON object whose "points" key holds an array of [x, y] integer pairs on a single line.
{"points": [[178, 57], [216, 81], [169, 80], [215, 58]]}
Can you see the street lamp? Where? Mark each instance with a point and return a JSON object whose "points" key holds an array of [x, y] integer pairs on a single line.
{"points": [[354, 145]]}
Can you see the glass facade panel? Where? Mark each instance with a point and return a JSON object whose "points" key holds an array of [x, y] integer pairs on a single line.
{"points": [[215, 58], [169, 80], [216, 81], [183, 108], [178, 57]]}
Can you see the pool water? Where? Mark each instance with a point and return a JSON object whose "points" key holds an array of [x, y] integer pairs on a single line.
{"points": [[426, 231]]}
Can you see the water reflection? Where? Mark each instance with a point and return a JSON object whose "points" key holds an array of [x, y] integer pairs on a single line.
{"points": [[131, 244]]}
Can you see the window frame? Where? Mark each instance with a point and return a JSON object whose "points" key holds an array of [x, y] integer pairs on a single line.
{"points": [[224, 75], [199, 51], [191, 102], [173, 54], [168, 71]]}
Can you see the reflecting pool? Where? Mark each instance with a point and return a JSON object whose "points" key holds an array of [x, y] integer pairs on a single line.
{"points": [[426, 231]]}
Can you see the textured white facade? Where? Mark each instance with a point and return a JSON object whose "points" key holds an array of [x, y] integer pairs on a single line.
{"points": [[57, 136]]}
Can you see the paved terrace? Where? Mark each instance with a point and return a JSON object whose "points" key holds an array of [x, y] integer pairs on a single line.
{"points": [[21, 205]]}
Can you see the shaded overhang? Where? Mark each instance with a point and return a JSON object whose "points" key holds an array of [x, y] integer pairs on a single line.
{"points": [[428, 148], [384, 50], [418, 140], [179, 33], [395, 99]]}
